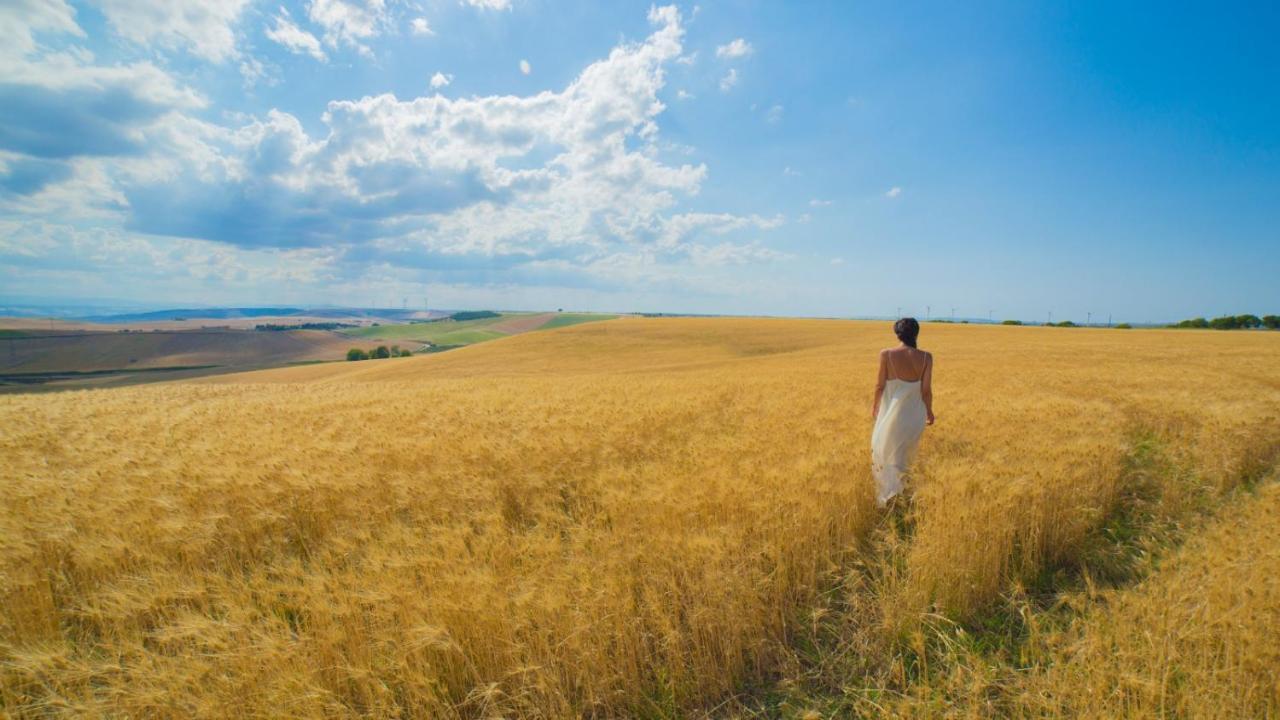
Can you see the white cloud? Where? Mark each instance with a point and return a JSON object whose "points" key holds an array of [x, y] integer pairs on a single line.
{"points": [[729, 80], [738, 48], [774, 115], [294, 38], [253, 71], [440, 80], [893, 192], [682, 94], [420, 26], [568, 188], [21, 19], [525, 67], [788, 172], [349, 22], [689, 59], [819, 203], [205, 28], [490, 4]]}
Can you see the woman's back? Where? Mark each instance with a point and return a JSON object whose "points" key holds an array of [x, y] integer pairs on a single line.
{"points": [[905, 363]]}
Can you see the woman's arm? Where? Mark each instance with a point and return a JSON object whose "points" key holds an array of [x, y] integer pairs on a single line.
{"points": [[882, 376], [926, 388]]}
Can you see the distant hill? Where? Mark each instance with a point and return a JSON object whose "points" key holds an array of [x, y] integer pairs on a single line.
{"points": [[186, 313]]}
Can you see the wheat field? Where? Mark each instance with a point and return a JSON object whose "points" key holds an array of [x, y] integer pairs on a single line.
{"points": [[654, 518]]}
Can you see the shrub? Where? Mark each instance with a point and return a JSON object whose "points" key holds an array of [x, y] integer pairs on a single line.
{"points": [[405, 352], [380, 352], [1011, 322], [1064, 323], [1124, 326], [357, 354], [1271, 321]]}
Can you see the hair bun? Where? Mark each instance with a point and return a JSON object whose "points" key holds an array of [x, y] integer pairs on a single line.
{"points": [[907, 330]]}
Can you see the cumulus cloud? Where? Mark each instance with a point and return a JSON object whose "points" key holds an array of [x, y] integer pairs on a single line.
{"points": [[349, 22], [565, 186], [440, 80], [205, 28], [893, 192], [65, 117], [683, 94], [525, 67], [420, 26], [294, 38], [735, 49], [21, 19], [729, 80]]}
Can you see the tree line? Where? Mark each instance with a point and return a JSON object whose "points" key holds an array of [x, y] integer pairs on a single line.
{"points": [[1232, 322], [378, 353], [272, 327]]}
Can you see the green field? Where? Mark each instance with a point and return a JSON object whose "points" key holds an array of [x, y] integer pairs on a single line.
{"points": [[467, 332], [567, 319]]}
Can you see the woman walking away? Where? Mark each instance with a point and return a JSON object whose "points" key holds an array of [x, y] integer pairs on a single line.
{"points": [[903, 406]]}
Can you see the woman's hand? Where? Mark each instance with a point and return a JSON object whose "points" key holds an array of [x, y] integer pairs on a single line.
{"points": [[928, 418]]}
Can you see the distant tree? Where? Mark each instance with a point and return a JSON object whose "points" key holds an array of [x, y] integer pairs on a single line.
{"points": [[1226, 322], [1271, 322], [395, 351], [357, 354], [1192, 323], [405, 352], [474, 315], [380, 352], [1065, 323], [1248, 321], [1124, 326], [1011, 322]]}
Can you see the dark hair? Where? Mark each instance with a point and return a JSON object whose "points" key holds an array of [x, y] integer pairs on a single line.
{"points": [[907, 330]]}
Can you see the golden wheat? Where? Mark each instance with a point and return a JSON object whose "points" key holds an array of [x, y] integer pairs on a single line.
{"points": [[627, 518]]}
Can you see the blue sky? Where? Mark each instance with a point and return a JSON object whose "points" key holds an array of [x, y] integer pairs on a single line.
{"points": [[765, 158]]}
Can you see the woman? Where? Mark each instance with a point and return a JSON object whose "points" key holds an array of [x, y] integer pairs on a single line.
{"points": [[903, 406]]}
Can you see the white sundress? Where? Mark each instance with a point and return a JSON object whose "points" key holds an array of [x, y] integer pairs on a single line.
{"points": [[899, 425]]}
